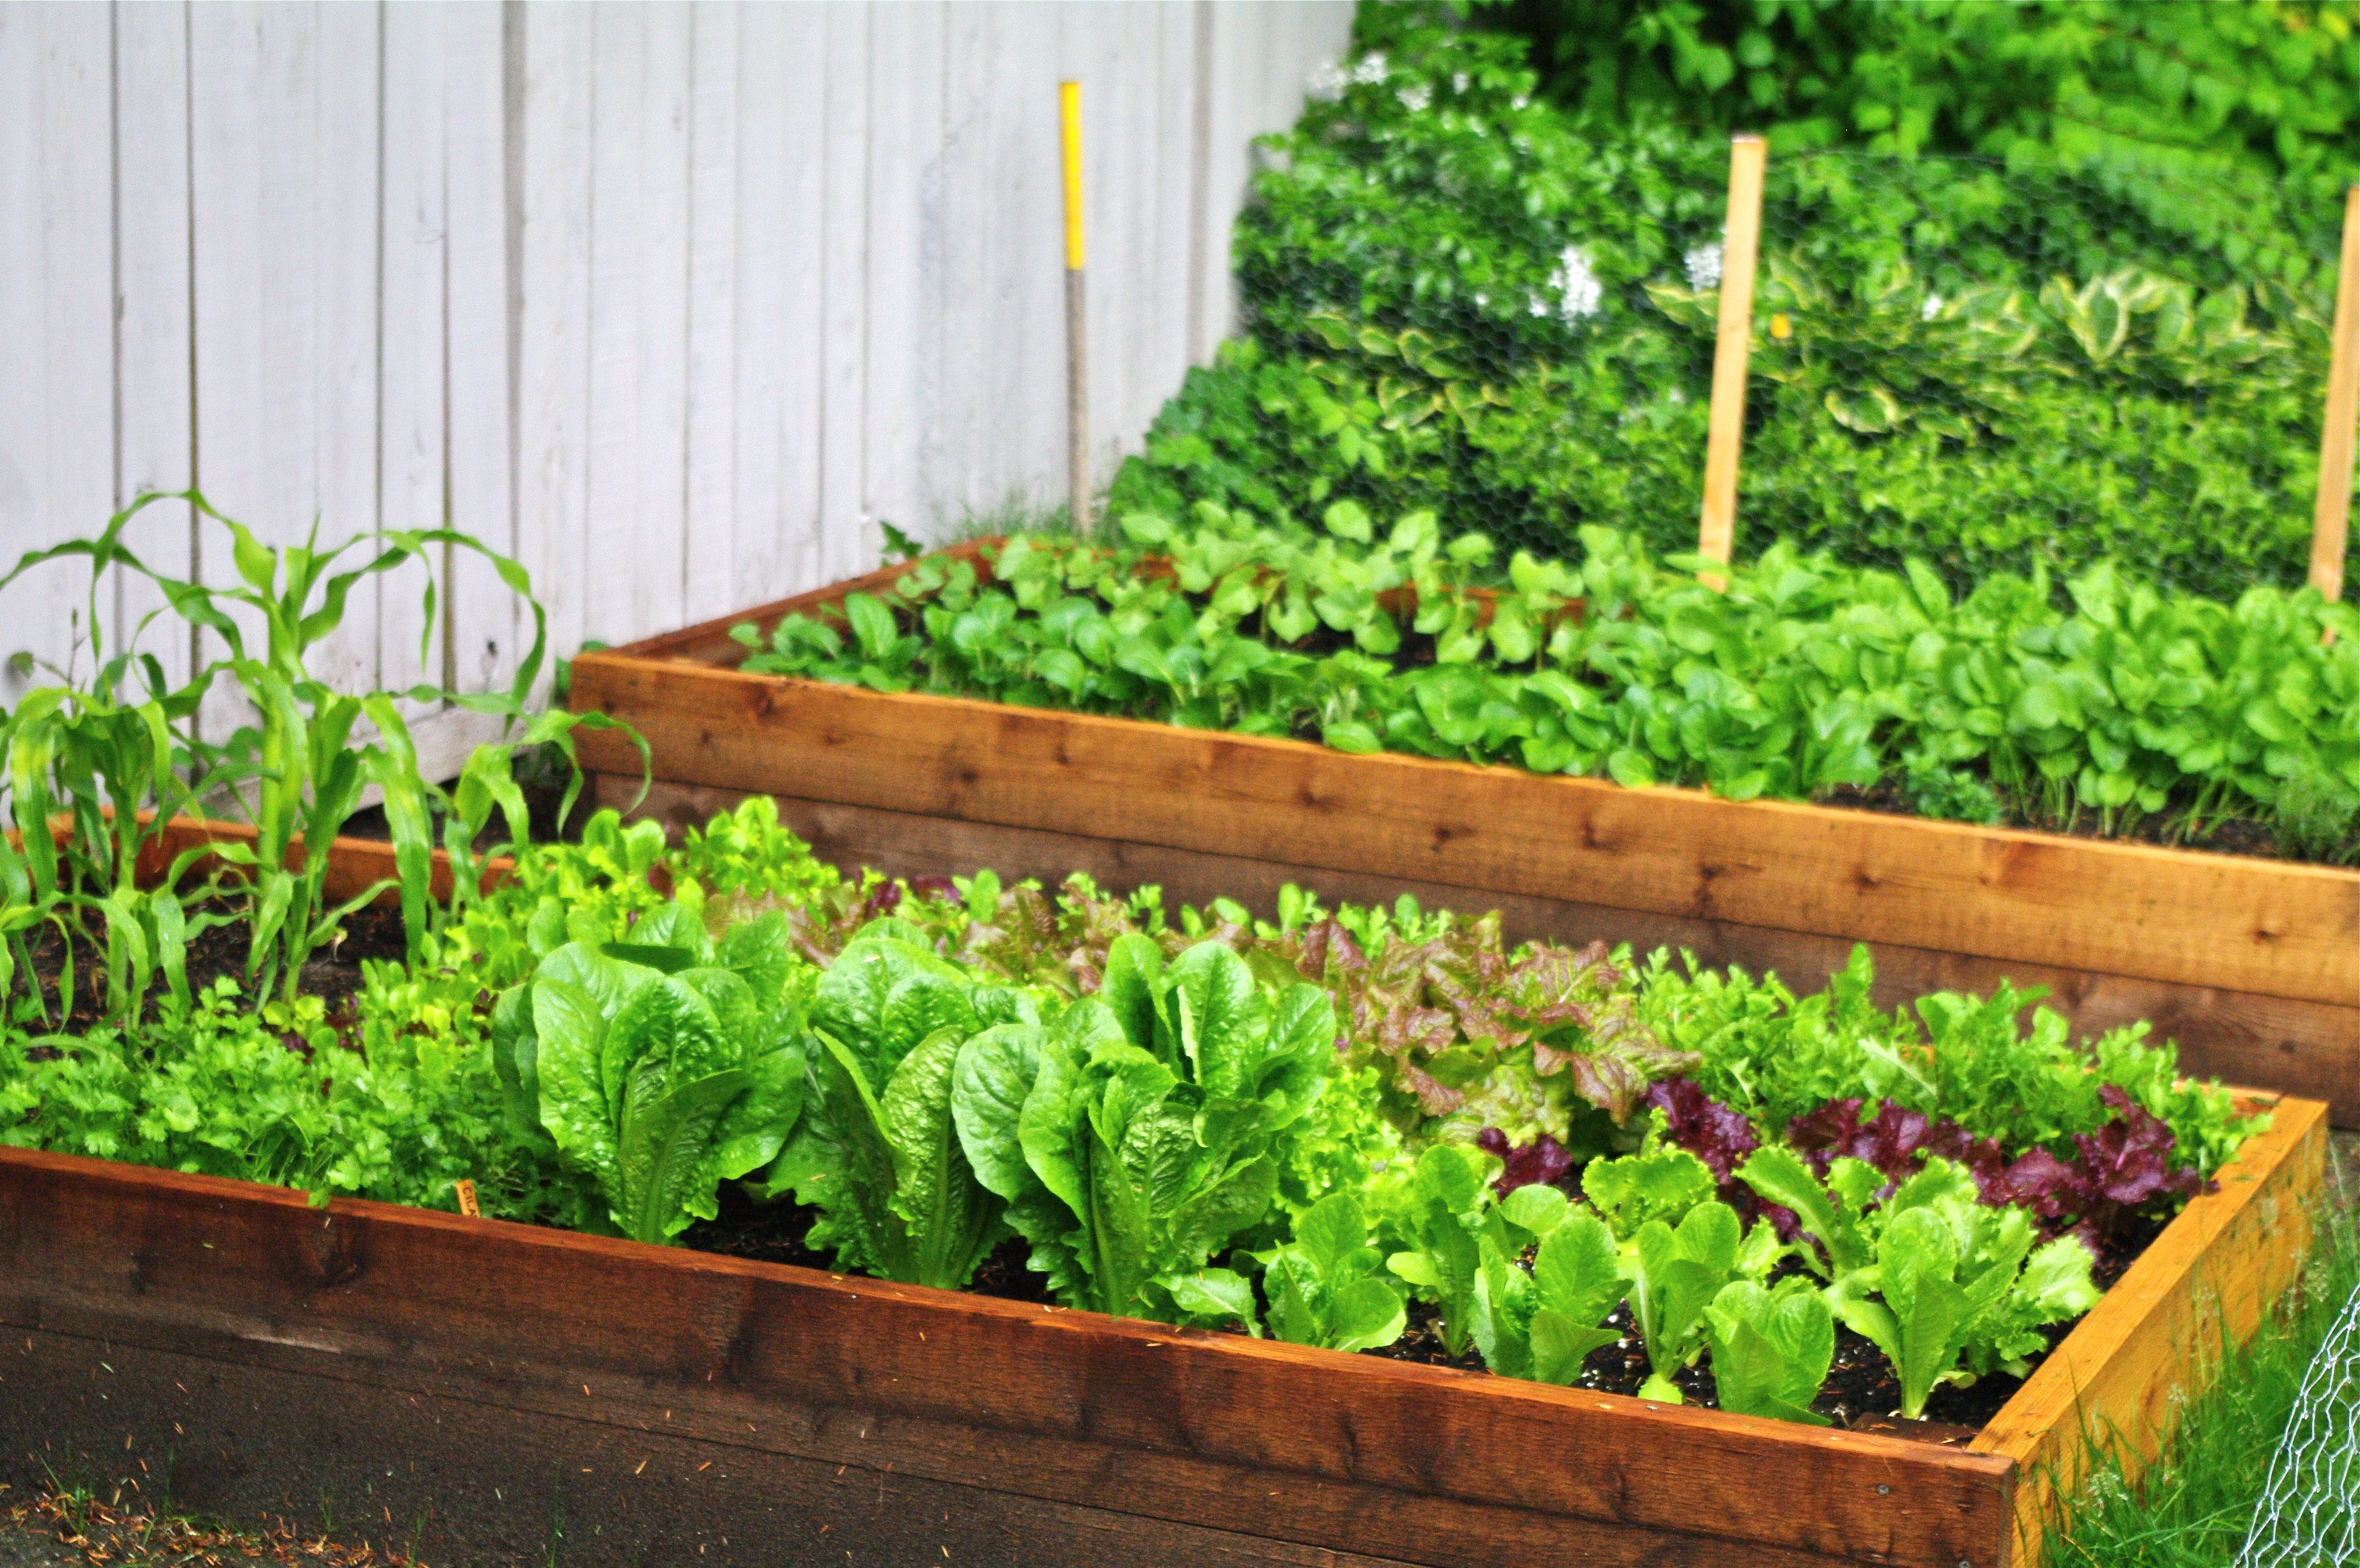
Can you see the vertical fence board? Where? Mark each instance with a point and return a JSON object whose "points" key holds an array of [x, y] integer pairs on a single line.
{"points": [[57, 413], [284, 110], [412, 366], [155, 428], [781, 184], [554, 311], [707, 583], [843, 282], [636, 529], [969, 214], [480, 355], [905, 105], [1160, 338], [1028, 322]]}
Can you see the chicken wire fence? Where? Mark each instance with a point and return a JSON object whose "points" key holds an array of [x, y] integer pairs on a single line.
{"points": [[2310, 1509], [1994, 368], [1985, 367]]}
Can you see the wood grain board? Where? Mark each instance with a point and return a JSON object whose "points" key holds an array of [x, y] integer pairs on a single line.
{"points": [[352, 864], [2309, 1049], [1210, 1431], [2217, 920], [2252, 964]]}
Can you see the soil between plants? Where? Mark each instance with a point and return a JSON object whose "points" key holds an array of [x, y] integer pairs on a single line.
{"points": [[333, 974]]}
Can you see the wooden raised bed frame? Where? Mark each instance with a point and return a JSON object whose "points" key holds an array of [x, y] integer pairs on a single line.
{"points": [[2252, 964], [490, 1392], [480, 1386]]}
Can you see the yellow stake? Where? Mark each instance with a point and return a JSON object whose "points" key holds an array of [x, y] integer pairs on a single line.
{"points": [[1077, 401], [1069, 105], [2332, 512], [1740, 237]]}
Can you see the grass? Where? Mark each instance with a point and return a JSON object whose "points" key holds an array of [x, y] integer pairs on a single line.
{"points": [[2193, 1509]]}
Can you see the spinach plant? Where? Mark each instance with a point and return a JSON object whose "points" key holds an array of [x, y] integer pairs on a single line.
{"points": [[1801, 678]]}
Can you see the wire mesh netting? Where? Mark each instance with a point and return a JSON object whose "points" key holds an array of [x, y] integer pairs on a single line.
{"points": [[1992, 367], [2309, 1511], [1449, 301]]}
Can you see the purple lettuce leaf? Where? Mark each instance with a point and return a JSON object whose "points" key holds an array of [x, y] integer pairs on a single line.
{"points": [[1543, 1160]]}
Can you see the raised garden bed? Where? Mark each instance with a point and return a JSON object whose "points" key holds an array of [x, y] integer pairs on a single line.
{"points": [[521, 1388], [2252, 964], [495, 1391]]}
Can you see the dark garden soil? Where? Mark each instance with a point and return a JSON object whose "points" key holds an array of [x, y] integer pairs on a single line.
{"points": [[333, 975], [774, 1232]]}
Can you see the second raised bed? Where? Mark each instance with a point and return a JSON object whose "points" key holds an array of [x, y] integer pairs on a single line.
{"points": [[2252, 964]]}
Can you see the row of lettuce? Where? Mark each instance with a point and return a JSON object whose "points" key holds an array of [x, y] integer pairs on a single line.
{"points": [[2136, 712], [1303, 1127], [1459, 296]]}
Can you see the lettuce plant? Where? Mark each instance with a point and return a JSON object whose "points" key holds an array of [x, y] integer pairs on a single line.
{"points": [[1675, 1272], [659, 1067], [1831, 1214], [1543, 1323], [1678, 1244], [1137, 1134], [1771, 1348], [877, 1152], [1957, 1288], [1443, 1209], [1326, 1284]]}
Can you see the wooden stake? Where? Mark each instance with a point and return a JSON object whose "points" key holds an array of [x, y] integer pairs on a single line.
{"points": [[1078, 403], [2332, 516], [1741, 241]]}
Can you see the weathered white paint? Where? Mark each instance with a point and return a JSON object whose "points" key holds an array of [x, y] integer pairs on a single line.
{"points": [[674, 301]]}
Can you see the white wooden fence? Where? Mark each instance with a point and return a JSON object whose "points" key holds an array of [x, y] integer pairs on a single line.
{"points": [[674, 303]]}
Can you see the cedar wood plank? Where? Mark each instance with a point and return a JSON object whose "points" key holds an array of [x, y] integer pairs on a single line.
{"points": [[2203, 1284], [2221, 921], [105, 1250], [445, 1478], [2306, 1048], [492, 1469], [352, 863]]}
